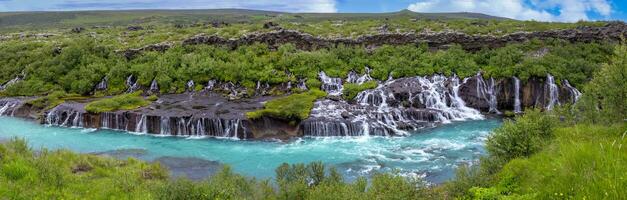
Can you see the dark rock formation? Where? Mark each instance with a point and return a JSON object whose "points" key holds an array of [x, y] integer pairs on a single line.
{"points": [[270, 25], [77, 29], [134, 28], [611, 32], [395, 107], [161, 47]]}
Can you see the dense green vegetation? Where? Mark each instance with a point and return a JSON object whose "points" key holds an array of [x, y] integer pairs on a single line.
{"points": [[121, 102], [83, 63], [569, 153], [294, 107], [352, 89]]}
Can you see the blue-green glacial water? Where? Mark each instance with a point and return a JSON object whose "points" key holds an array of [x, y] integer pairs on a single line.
{"points": [[431, 153]]}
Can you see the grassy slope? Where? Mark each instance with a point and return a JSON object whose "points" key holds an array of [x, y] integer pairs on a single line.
{"points": [[52, 19], [583, 162]]}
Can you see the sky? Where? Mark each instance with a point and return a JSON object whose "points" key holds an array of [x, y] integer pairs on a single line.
{"points": [[539, 10]]}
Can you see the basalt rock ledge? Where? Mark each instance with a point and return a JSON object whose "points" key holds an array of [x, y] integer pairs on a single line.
{"points": [[395, 108]]}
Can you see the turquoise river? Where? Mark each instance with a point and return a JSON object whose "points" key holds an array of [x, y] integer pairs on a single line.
{"points": [[432, 153]]}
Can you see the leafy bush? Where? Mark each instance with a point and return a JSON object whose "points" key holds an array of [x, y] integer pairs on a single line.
{"points": [[120, 102], [523, 137], [605, 97], [352, 89], [293, 107]]}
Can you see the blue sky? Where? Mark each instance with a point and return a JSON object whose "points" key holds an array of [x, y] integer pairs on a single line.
{"points": [[541, 10]]}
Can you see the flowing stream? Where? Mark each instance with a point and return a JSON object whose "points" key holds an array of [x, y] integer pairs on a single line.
{"points": [[429, 153]]}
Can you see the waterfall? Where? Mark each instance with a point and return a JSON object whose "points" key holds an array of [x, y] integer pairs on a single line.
{"points": [[64, 117], [436, 94], [333, 86], [517, 107], [141, 126], [11, 82], [154, 86], [301, 84], [575, 94], [210, 85], [553, 92], [391, 109], [7, 106], [190, 86], [131, 84], [487, 93], [103, 85], [164, 126], [353, 77]]}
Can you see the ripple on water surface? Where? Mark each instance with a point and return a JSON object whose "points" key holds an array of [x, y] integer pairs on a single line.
{"points": [[432, 153]]}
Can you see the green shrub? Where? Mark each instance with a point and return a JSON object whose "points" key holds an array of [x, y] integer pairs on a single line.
{"points": [[352, 89], [294, 107], [120, 102], [522, 137]]}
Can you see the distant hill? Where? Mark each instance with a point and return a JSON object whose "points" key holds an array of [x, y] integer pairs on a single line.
{"points": [[64, 19]]}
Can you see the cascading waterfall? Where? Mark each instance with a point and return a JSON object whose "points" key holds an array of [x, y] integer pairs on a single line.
{"points": [[154, 86], [164, 126], [8, 108], [210, 85], [301, 84], [333, 86], [517, 107], [141, 126], [374, 115], [11, 82], [63, 117], [553, 92], [190, 85], [353, 77], [573, 91], [131, 84], [103, 85], [487, 92]]}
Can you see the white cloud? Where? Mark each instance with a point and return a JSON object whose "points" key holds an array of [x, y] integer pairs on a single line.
{"points": [[567, 10], [318, 6]]}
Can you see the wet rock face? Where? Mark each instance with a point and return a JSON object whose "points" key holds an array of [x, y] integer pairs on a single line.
{"points": [[200, 115], [395, 107]]}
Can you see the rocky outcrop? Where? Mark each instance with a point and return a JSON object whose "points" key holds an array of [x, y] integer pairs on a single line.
{"points": [[161, 47], [611, 32], [395, 108]]}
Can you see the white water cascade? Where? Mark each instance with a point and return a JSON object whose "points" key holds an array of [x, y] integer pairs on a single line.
{"points": [[11, 82], [154, 86], [7, 108], [333, 86], [573, 91], [382, 112], [553, 92], [190, 86], [103, 85], [141, 126], [517, 106], [353, 77], [210, 85], [487, 92], [65, 118], [164, 126], [131, 84]]}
